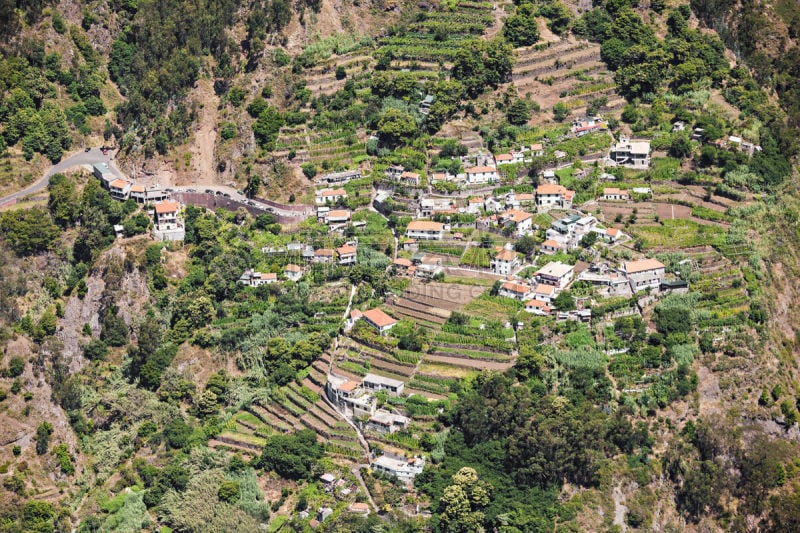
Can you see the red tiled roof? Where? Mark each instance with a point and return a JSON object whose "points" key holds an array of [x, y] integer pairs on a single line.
{"points": [[642, 265], [118, 184], [166, 207], [346, 250], [425, 225], [506, 255], [402, 261], [379, 318], [292, 268], [519, 288], [479, 170], [324, 252]]}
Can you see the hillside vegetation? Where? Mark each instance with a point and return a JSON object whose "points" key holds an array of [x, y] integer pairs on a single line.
{"points": [[143, 387]]}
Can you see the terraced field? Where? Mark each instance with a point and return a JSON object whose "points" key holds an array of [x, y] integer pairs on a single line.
{"points": [[336, 148], [568, 71]]}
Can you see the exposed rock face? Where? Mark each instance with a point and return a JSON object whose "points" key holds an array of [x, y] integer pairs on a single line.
{"points": [[130, 295]]}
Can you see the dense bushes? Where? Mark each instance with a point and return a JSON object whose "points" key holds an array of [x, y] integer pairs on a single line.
{"points": [[291, 456]]}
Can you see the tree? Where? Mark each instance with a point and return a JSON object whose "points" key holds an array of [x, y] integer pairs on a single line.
{"points": [[525, 245], [62, 201], [309, 170], [291, 456], [176, 433], [461, 504], [518, 113], [560, 111], [28, 231], [96, 350], [396, 127], [341, 73], [43, 432], [521, 29], [564, 301], [16, 366], [229, 491], [482, 65], [680, 147]]}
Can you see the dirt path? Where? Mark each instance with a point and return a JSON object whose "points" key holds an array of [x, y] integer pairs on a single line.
{"points": [[204, 141], [619, 507]]}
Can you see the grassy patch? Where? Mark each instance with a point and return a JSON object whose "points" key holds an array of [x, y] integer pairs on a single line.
{"points": [[677, 233]]}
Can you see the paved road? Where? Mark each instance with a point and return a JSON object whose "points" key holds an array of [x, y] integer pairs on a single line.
{"points": [[95, 155]]}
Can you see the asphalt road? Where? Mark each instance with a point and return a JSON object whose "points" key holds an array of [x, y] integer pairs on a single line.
{"points": [[95, 155]]}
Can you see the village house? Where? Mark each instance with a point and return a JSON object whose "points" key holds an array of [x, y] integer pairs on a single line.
{"points": [[102, 172], [385, 422], [145, 194], [550, 247], [359, 508], [503, 159], [323, 255], [375, 383], [425, 230], [537, 150], [644, 274], [426, 103], [410, 179], [339, 177], [428, 267], [379, 320], [119, 189], [293, 272], [557, 274], [441, 176], [393, 172], [549, 176], [339, 216], [403, 469], [608, 235], [537, 307], [167, 226], [631, 154], [613, 193], [402, 266], [252, 278], [522, 221], [521, 199], [474, 205], [544, 293], [430, 206], [346, 255], [584, 225], [584, 126], [518, 291], [505, 262], [349, 397], [553, 196], [326, 196], [481, 174]]}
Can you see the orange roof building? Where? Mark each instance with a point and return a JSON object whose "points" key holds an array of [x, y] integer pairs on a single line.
{"points": [[379, 320]]}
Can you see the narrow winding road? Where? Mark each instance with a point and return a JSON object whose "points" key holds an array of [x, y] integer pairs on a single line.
{"points": [[78, 159]]}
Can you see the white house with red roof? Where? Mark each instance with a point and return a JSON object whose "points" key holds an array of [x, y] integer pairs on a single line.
{"points": [[505, 262], [481, 174], [293, 272], [326, 196], [425, 230], [549, 195], [347, 255], [379, 320], [251, 278], [518, 291], [644, 274]]}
